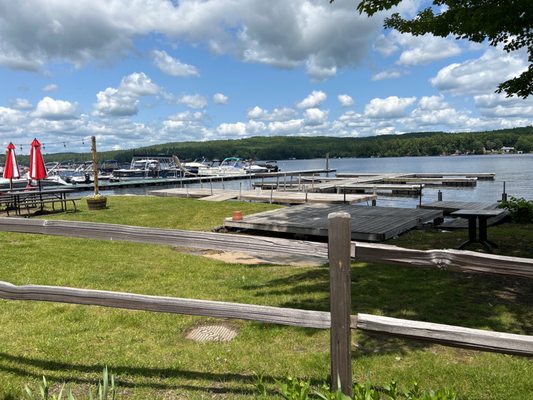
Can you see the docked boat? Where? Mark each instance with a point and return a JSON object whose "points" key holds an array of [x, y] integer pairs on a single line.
{"points": [[147, 168], [228, 166]]}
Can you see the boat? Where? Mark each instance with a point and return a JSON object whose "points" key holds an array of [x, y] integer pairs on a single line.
{"points": [[228, 166], [151, 167]]}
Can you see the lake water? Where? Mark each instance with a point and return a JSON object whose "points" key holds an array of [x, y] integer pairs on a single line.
{"points": [[515, 170]]}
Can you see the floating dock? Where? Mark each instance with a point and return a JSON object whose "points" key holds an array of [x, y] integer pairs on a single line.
{"points": [[374, 224], [264, 196]]}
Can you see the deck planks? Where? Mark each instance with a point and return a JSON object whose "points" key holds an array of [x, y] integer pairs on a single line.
{"points": [[373, 224]]}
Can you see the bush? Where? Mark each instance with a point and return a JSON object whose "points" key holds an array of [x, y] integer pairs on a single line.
{"points": [[521, 210]]}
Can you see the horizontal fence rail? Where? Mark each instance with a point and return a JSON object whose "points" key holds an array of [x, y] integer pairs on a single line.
{"points": [[453, 260], [436, 333]]}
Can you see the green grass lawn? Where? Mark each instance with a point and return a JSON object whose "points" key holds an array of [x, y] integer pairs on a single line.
{"points": [[162, 212], [152, 358]]}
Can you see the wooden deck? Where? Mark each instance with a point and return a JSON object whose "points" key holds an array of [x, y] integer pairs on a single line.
{"points": [[374, 224], [265, 196]]}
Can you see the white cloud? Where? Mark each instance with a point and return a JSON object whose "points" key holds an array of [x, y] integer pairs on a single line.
{"points": [[290, 127], [385, 46], [21, 104], [497, 105], [432, 103], [345, 100], [124, 100], [51, 109], [321, 36], [316, 98], [257, 113], [51, 87], [277, 114], [315, 116], [113, 102], [220, 98], [237, 129], [391, 107], [392, 74], [424, 49], [173, 66], [138, 84], [482, 75], [193, 100]]}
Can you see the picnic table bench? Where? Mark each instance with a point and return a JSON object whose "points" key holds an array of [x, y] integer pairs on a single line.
{"points": [[27, 199], [473, 217]]}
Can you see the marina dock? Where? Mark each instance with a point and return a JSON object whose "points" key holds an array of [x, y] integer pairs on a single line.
{"points": [[265, 196]]}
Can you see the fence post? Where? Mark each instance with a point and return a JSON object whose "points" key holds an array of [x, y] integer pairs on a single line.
{"points": [[339, 237]]}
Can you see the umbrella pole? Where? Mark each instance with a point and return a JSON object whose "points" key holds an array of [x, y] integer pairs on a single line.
{"points": [[40, 195]]}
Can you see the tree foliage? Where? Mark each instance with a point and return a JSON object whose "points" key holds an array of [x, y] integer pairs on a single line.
{"points": [[500, 22]]}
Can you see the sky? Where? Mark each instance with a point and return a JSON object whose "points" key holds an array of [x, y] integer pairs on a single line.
{"points": [[142, 72]]}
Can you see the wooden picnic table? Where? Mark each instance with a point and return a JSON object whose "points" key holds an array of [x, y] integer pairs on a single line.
{"points": [[33, 198]]}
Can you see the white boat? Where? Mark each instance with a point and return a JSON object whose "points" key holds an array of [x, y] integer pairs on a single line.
{"points": [[229, 166]]}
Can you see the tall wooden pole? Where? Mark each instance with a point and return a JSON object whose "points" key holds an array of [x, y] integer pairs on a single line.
{"points": [[339, 237], [95, 165]]}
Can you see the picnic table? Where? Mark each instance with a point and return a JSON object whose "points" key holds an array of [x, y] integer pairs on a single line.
{"points": [[473, 217], [17, 200]]}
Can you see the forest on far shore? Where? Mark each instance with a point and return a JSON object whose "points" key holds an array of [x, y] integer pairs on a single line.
{"points": [[297, 147]]}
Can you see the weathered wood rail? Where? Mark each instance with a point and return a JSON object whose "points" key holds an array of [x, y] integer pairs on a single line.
{"points": [[437, 333], [453, 260]]}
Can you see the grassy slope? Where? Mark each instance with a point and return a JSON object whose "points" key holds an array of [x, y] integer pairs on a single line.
{"points": [[153, 359]]}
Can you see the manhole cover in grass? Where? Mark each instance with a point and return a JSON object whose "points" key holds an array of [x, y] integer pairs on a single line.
{"points": [[212, 333]]}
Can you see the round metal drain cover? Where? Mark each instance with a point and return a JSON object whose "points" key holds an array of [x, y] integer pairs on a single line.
{"points": [[212, 333]]}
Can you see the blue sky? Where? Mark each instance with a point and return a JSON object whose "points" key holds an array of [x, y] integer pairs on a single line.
{"points": [[142, 72]]}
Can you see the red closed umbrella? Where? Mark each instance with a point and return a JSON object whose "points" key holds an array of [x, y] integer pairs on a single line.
{"points": [[37, 168], [11, 170]]}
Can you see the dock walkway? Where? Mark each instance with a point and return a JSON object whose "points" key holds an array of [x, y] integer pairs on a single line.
{"points": [[265, 196], [374, 224]]}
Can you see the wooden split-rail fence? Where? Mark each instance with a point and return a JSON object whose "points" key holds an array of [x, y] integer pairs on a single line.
{"points": [[339, 320]]}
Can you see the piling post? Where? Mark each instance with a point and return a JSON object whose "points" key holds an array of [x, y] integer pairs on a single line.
{"points": [[240, 190], [420, 197], [339, 236], [271, 193], [211, 185], [504, 194], [95, 165], [327, 165], [439, 196]]}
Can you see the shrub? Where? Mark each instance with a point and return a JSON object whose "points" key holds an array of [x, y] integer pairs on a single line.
{"points": [[521, 210]]}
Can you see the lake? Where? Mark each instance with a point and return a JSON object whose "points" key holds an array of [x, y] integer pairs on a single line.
{"points": [[516, 170]]}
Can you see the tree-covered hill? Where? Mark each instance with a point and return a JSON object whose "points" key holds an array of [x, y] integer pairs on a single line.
{"points": [[285, 147]]}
